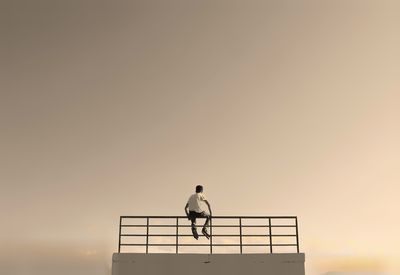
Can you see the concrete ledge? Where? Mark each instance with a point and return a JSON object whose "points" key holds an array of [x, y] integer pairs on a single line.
{"points": [[200, 264]]}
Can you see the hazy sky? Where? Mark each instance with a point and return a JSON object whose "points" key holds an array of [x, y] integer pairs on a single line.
{"points": [[112, 108]]}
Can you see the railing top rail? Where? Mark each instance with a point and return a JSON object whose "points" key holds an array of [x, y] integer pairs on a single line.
{"points": [[217, 217]]}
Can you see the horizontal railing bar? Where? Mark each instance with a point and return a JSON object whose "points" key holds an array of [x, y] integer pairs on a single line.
{"points": [[216, 217], [190, 235], [173, 245], [224, 226]]}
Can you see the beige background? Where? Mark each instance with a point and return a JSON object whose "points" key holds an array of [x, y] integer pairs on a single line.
{"points": [[122, 107]]}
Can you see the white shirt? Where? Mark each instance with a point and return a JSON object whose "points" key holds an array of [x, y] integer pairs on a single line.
{"points": [[194, 202]]}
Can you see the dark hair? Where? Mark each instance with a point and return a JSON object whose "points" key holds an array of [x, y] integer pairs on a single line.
{"points": [[199, 189]]}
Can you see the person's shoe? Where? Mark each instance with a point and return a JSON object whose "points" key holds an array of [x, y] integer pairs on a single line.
{"points": [[205, 233], [195, 234]]}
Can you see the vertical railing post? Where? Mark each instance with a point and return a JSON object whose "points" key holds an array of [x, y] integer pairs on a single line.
{"points": [[211, 234], [297, 236], [119, 237], [177, 234], [147, 236], [270, 235], [240, 230]]}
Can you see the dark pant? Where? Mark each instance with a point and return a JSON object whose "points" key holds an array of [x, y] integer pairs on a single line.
{"points": [[193, 215]]}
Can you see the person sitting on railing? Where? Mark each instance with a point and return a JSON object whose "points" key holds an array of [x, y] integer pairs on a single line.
{"points": [[193, 210]]}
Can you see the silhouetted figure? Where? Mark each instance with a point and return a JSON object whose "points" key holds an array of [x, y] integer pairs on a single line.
{"points": [[195, 211]]}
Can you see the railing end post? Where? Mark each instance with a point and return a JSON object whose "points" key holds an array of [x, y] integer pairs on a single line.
{"points": [[297, 236], [119, 237]]}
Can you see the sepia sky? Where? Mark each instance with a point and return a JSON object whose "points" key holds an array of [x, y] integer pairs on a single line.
{"points": [[112, 108]]}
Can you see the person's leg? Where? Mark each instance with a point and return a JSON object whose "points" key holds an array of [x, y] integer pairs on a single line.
{"points": [[206, 224], [193, 216]]}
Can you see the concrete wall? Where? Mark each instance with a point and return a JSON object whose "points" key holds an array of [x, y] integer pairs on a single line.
{"points": [[205, 264]]}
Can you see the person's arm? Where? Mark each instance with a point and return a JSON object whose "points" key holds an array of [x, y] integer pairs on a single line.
{"points": [[209, 207], [186, 209]]}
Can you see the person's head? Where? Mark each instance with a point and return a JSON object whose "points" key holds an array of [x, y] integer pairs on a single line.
{"points": [[199, 189]]}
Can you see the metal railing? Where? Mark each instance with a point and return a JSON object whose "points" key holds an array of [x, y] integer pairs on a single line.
{"points": [[266, 239]]}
